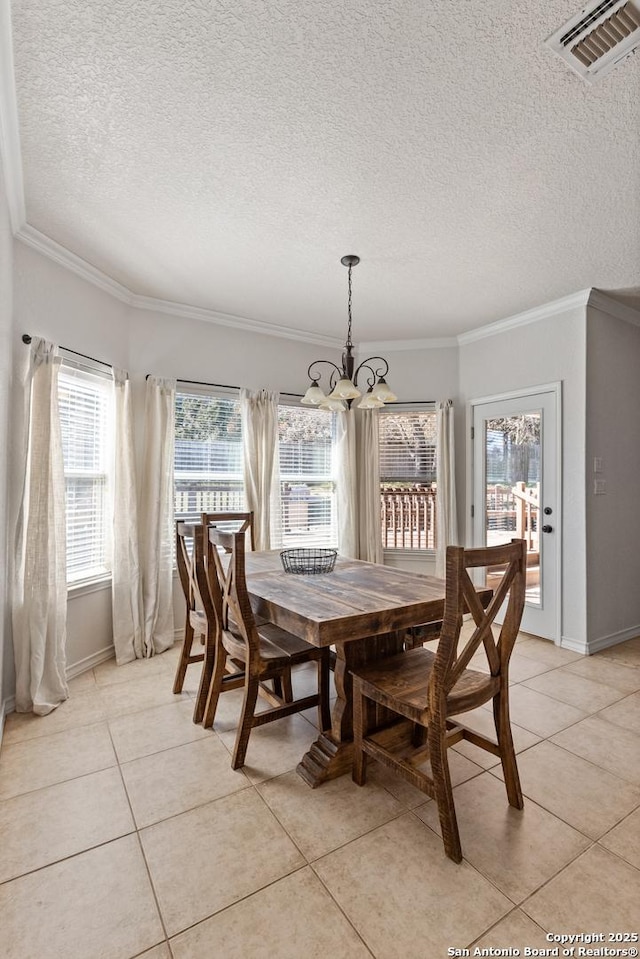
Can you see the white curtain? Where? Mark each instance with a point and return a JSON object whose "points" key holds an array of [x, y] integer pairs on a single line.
{"points": [[259, 414], [446, 516], [157, 516], [126, 589], [347, 484], [39, 581], [368, 486]]}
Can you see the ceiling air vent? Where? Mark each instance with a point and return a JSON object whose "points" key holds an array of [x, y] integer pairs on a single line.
{"points": [[600, 36]]}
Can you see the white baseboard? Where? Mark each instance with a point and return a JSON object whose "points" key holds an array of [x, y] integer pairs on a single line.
{"points": [[604, 642], [75, 669], [575, 645], [588, 648], [8, 706]]}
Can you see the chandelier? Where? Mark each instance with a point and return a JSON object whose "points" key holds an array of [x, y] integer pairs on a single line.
{"points": [[343, 382]]}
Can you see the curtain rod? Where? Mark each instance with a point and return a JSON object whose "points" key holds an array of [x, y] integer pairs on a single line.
{"points": [[223, 386], [26, 338]]}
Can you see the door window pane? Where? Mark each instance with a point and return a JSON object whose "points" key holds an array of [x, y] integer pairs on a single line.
{"points": [[512, 470]]}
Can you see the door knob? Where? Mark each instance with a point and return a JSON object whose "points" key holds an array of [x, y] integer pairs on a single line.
{"points": [[547, 529]]}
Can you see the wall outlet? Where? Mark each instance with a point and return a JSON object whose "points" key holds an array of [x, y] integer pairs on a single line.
{"points": [[599, 487], [597, 464]]}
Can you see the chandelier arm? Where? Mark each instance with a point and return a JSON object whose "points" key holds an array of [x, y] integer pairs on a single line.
{"points": [[370, 380], [377, 372], [315, 377]]}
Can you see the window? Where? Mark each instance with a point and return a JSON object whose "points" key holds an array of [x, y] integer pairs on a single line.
{"points": [[306, 477], [85, 401], [408, 479], [208, 455]]}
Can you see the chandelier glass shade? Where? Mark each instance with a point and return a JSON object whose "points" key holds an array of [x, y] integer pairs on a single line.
{"points": [[343, 381]]}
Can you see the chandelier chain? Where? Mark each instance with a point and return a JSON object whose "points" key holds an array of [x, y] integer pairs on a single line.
{"points": [[349, 343]]}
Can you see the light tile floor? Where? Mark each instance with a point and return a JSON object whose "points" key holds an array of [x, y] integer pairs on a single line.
{"points": [[125, 833]]}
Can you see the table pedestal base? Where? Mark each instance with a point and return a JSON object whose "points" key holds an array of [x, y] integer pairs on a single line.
{"points": [[327, 759], [332, 753]]}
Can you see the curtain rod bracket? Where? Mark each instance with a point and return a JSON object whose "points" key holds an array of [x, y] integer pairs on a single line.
{"points": [[27, 338]]}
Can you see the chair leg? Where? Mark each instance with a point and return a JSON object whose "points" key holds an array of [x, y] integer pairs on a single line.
{"points": [[287, 687], [277, 686], [443, 791], [205, 679], [359, 772], [507, 751], [183, 662], [246, 722], [324, 710], [215, 686]]}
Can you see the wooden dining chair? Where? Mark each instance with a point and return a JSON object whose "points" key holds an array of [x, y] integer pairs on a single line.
{"points": [[195, 628], [242, 522], [265, 652], [429, 688]]}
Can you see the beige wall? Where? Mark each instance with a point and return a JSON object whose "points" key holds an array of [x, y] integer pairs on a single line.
{"points": [[613, 519]]}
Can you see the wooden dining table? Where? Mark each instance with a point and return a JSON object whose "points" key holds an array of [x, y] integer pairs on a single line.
{"points": [[362, 609]]}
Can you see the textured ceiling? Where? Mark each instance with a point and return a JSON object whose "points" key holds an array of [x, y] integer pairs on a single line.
{"points": [[227, 154]]}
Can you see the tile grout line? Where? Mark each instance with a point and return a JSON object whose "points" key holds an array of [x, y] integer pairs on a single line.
{"points": [[142, 853], [502, 919]]}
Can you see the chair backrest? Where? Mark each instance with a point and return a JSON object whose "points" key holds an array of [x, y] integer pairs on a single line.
{"points": [[225, 519], [185, 533], [227, 596], [461, 596]]}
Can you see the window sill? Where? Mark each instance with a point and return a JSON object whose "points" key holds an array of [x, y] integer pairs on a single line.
{"points": [[85, 586]]}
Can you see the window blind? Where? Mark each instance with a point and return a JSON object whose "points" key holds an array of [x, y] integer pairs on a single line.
{"points": [[407, 478], [85, 419], [208, 455], [307, 488]]}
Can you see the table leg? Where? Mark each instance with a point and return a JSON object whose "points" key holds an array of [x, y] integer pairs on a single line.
{"points": [[330, 755]]}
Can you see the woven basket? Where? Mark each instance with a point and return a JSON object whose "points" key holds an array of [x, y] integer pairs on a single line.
{"points": [[307, 560]]}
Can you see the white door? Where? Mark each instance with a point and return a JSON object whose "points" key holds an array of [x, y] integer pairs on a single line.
{"points": [[516, 493]]}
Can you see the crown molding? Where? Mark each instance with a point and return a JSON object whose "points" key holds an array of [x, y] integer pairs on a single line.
{"points": [[399, 346], [9, 126], [565, 303], [60, 254], [65, 258], [607, 304], [231, 320]]}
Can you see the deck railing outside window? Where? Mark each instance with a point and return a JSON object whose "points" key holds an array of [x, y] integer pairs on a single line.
{"points": [[408, 517], [407, 478]]}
